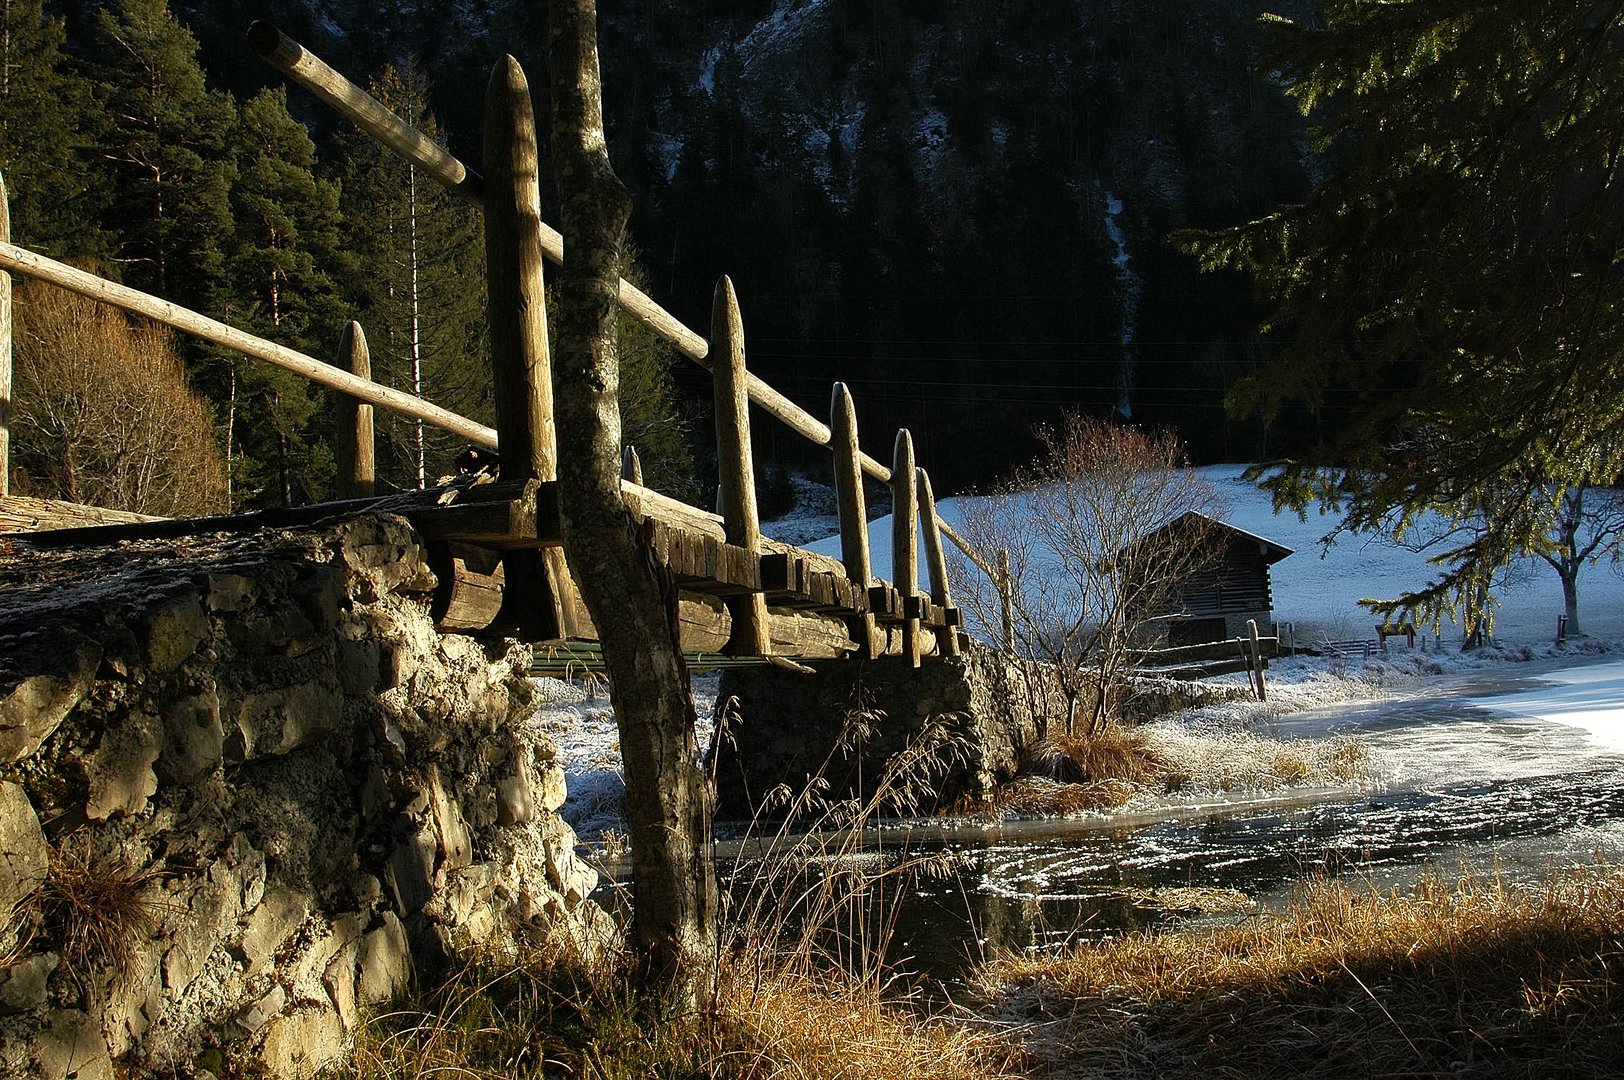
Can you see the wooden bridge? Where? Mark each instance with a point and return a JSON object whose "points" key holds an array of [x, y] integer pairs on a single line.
{"points": [[497, 548]]}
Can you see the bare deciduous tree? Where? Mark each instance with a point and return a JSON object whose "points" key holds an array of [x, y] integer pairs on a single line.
{"points": [[1589, 526], [1087, 579], [103, 414]]}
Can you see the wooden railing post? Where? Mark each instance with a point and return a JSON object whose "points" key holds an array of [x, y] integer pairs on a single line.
{"points": [[734, 464], [357, 470], [523, 385], [1006, 600], [941, 595], [522, 381], [5, 348], [853, 510], [631, 466], [905, 541]]}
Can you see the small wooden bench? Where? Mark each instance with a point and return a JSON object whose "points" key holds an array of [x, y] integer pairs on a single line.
{"points": [[1404, 630]]}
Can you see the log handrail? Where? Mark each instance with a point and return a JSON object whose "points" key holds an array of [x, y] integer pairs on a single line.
{"points": [[417, 149], [32, 264], [395, 134]]}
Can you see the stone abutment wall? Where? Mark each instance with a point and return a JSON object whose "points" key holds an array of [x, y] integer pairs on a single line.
{"points": [[253, 764], [954, 727]]}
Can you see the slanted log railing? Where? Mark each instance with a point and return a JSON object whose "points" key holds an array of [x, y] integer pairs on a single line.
{"points": [[498, 547], [363, 110]]}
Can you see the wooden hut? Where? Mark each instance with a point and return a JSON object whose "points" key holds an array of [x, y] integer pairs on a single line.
{"points": [[1218, 598]]}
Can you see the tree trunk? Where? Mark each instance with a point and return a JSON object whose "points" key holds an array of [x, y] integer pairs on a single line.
{"points": [[632, 599], [420, 443], [1570, 596]]}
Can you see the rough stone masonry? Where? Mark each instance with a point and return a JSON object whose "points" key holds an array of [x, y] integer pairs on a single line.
{"points": [[253, 762]]}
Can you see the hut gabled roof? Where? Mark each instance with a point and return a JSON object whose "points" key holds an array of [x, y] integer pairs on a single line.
{"points": [[1271, 551]]}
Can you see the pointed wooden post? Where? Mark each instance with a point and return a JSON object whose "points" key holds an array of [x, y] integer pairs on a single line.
{"points": [[853, 510], [517, 314], [5, 348], [734, 464], [631, 466], [357, 470], [941, 596], [905, 541]]}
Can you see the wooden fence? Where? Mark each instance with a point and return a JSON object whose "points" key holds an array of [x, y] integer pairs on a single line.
{"points": [[742, 593]]}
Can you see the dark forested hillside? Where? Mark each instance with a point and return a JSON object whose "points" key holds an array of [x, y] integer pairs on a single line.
{"points": [[958, 207]]}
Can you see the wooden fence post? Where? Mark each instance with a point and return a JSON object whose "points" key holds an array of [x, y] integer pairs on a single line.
{"points": [[5, 348], [854, 551], [941, 595], [1257, 660], [905, 541], [631, 466], [1006, 600], [357, 470], [734, 463], [521, 370]]}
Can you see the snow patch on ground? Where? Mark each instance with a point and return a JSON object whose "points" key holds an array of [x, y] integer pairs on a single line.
{"points": [[1590, 698], [815, 515], [579, 719]]}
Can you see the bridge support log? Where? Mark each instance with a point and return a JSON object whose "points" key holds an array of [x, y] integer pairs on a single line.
{"points": [[357, 470], [905, 541], [854, 552], [735, 468]]}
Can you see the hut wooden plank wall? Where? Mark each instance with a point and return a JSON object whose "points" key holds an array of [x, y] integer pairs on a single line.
{"points": [[1217, 601]]}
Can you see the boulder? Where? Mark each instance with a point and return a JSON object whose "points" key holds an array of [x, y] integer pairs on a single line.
{"points": [[299, 1045], [24, 854], [120, 769], [174, 631], [34, 706], [385, 963], [70, 1047]]}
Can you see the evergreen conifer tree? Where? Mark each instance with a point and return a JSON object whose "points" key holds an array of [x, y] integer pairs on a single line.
{"points": [[1454, 290], [47, 131], [283, 258], [419, 269], [167, 155]]}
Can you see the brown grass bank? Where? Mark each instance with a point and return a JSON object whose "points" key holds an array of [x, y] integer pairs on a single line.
{"points": [[552, 1017], [1471, 978]]}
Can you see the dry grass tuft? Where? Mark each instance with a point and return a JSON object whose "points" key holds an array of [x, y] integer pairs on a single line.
{"points": [[798, 1026], [1116, 753], [1039, 796], [1468, 978], [1192, 900], [1224, 758], [1089, 773], [98, 915]]}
